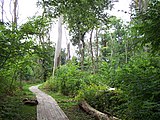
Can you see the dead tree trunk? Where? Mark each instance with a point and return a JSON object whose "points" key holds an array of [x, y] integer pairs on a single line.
{"points": [[95, 113]]}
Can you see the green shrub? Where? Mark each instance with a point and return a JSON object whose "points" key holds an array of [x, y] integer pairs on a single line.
{"points": [[140, 82], [101, 98], [67, 80]]}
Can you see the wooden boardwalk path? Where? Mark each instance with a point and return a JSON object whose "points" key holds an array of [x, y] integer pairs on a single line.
{"points": [[47, 108]]}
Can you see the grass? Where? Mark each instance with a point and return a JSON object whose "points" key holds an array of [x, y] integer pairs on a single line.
{"points": [[12, 107], [69, 106]]}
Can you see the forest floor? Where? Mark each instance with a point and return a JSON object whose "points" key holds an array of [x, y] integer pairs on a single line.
{"points": [[12, 107], [69, 106]]}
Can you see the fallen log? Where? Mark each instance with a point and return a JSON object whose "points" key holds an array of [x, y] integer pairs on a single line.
{"points": [[26, 101], [95, 113]]}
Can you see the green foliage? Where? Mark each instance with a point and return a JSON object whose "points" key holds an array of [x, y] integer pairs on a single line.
{"points": [[101, 98], [35, 26], [134, 73], [68, 79], [19, 60], [140, 81], [148, 26], [91, 94], [80, 16], [11, 107], [11, 46], [45, 56]]}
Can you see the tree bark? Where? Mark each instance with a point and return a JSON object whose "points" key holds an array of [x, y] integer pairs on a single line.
{"points": [[58, 46], [97, 52], [112, 47], [140, 5], [68, 52], [91, 50], [2, 8], [82, 49], [15, 12], [126, 52]]}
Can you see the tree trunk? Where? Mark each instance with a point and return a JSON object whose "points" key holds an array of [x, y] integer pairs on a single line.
{"points": [[104, 44], [82, 49], [145, 4], [97, 48], [112, 52], [58, 45], [91, 50], [126, 51], [95, 113], [140, 6], [82, 55], [2, 8], [15, 12], [112, 45], [44, 8], [68, 52]]}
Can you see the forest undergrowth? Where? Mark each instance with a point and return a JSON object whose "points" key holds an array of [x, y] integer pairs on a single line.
{"points": [[12, 107]]}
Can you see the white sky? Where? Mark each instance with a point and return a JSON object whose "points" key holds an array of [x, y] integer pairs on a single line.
{"points": [[122, 5], [28, 8]]}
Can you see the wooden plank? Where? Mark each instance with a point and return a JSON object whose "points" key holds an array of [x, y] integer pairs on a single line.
{"points": [[47, 108]]}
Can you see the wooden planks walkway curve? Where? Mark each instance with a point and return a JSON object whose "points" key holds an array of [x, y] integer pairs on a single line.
{"points": [[47, 108]]}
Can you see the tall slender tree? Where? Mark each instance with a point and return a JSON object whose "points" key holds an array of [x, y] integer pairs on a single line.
{"points": [[80, 16], [15, 4], [57, 57], [91, 50], [2, 10]]}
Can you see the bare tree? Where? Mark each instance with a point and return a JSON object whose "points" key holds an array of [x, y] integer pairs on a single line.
{"points": [[15, 4], [2, 10]]}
